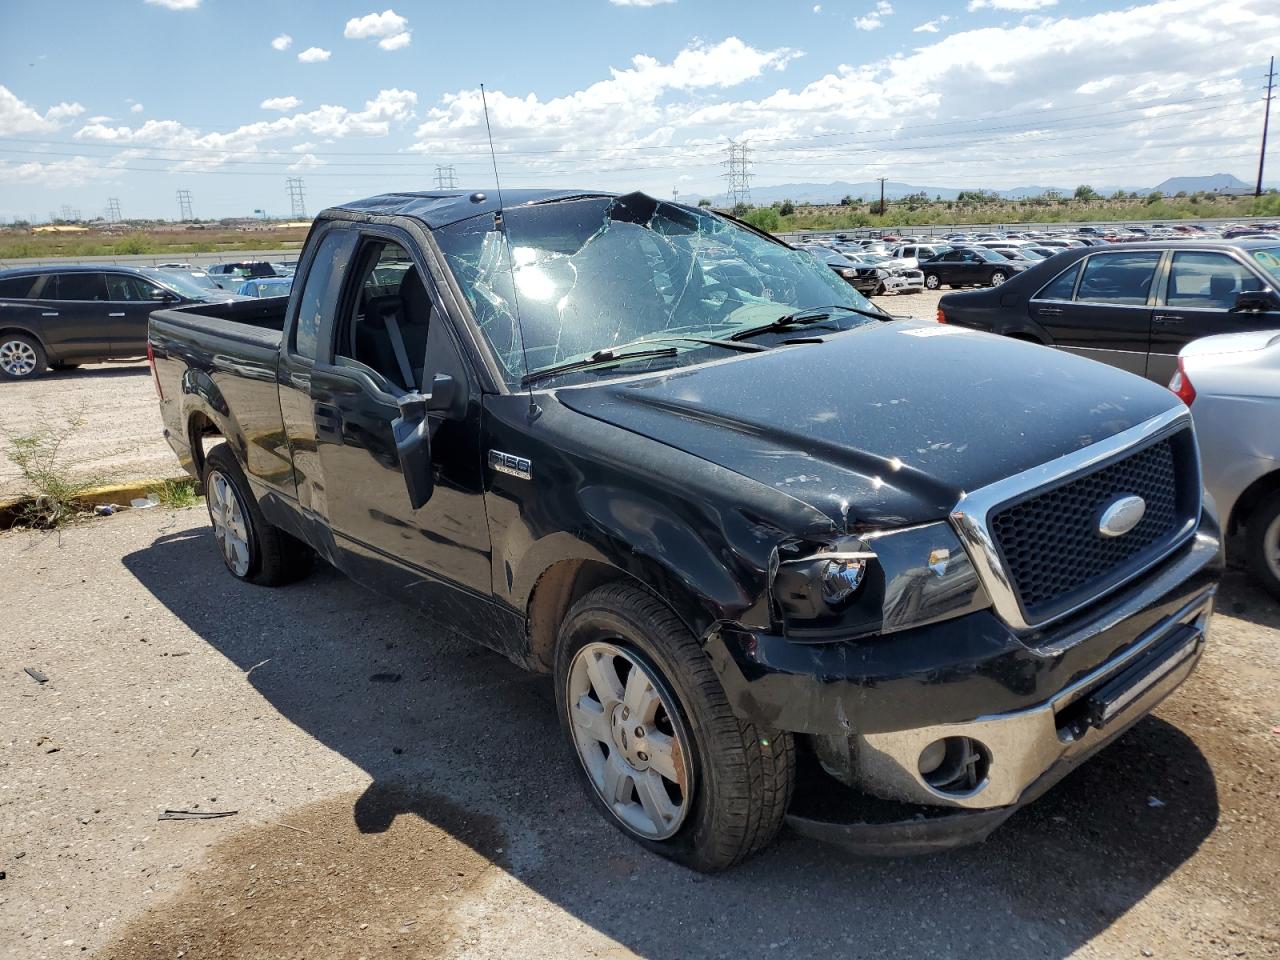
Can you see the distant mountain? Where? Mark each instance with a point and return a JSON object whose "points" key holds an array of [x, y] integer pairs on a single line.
{"points": [[1218, 183]]}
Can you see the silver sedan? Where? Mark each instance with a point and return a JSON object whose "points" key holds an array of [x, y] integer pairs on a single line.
{"points": [[1232, 384]]}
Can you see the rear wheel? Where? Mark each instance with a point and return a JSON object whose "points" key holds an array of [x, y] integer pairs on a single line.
{"points": [[1262, 542], [998, 277], [661, 752], [931, 281], [252, 549], [21, 357]]}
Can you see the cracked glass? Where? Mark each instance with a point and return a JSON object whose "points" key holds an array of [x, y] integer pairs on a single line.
{"points": [[597, 273]]}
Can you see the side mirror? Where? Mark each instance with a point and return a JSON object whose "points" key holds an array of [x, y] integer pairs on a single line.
{"points": [[443, 391], [163, 296], [1255, 301], [413, 444]]}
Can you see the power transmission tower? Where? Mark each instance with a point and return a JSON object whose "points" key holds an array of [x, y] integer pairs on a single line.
{"points": [[113, 209], [445, 178], [297, 195], [1266, 121], [882, 180], [184, 206], [738, 173]]}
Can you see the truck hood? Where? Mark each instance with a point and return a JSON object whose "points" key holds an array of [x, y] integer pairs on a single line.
{"points": [[886, 424]]}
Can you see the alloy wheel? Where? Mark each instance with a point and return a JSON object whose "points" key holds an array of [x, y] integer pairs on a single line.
{"points": [[630, 739], [229, 526], [17, 358], [997, 278]]}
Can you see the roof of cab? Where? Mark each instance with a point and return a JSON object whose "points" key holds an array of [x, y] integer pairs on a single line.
{"points": [[439, 208]]}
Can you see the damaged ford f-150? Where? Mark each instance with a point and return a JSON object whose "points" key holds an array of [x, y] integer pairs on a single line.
{"points": [[760, 532]]}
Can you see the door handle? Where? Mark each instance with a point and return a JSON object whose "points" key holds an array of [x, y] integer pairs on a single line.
{"points": [[1049, 312], [121, 314], [1166, 318], [50, 314]]}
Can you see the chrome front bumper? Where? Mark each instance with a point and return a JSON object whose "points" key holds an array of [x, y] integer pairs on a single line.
{"points": [[1024, 747]]}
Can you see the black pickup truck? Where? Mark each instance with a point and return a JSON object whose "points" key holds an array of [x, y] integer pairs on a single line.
{"points": [[760, 533]]}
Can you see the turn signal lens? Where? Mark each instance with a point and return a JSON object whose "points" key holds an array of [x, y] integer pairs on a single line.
{"points": [[1181, 385], [942, 317]]}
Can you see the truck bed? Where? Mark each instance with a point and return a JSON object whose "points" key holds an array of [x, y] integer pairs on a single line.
{"points": [[255, 322]]}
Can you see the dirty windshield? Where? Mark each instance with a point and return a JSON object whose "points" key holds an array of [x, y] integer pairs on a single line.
{"points": [[598, 273]]}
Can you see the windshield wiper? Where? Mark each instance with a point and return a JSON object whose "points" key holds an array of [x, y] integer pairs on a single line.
{"points": [[710, 341], [599, 358], [802, 317]]}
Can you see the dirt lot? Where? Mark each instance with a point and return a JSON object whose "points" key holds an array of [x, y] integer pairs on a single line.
{"points": [[121, 437], [402, 793]]}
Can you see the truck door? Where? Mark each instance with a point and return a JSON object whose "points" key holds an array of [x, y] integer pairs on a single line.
{"points": [[389, 337]]}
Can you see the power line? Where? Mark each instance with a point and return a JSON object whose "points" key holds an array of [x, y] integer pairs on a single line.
{"points": [[184, 206], [1266, 121], [113, 209], [443, 174], [297, 203]]}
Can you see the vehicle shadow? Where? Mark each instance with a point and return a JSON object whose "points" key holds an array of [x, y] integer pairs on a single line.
{"points": [[1242, 597], [430, 716], [100, 371]]}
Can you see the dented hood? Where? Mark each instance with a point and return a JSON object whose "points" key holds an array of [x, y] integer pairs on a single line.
{"points": [[886, 424]]}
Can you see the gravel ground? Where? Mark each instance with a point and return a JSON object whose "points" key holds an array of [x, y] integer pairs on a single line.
{"points": [[402, 793], [121, 438]]}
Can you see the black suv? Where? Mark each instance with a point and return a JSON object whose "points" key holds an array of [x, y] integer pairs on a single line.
{"points": [[1132, 306]]}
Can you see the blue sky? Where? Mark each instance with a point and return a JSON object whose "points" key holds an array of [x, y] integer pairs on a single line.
{"points": [[135, 99]]}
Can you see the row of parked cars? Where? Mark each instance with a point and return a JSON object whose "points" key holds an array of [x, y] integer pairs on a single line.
{"points": [[59, 317]]}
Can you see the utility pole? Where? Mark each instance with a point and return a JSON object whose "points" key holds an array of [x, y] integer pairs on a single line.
{"points": [[113, 209], [184, 206], [1266, 120], [738, 173], [297, 204], [445, 179], [882, 180]]}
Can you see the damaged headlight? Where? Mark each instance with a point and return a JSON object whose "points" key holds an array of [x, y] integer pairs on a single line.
{"points": [[872, 584]]}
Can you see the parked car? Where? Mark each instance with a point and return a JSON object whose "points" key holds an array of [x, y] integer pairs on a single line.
{"points": [[968, 266], [864, 277], [266, 287], [61, 317], [747, 522], [229, 276], [194, 274], [912, 253], [1133, 306], [1231, 382]]}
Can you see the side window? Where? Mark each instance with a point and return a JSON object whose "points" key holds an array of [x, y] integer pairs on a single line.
{"points": [[16, 288], [386, 330], [1061, 286], [1118, 277], [78, 286], [1211, 280], [306, 332], [121, 287]]}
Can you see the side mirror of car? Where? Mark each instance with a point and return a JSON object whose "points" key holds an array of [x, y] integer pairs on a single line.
{"points": [[444, 389], [163, 296], [412, 434], [1255, 301]]}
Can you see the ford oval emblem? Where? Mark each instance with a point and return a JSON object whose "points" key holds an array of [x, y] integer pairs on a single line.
{"points": [[1122, 516]]}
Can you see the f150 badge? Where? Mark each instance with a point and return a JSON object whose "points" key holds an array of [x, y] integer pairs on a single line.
{"points": [[510, 464]]}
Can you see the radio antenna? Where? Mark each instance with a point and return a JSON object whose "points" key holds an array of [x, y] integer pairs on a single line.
{"points": [[501, 223]]}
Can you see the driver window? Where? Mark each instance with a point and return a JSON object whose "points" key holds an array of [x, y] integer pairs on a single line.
{"points": [[386, 330]]}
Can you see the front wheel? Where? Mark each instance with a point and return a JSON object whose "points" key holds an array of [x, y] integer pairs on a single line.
{"points": [[1262, 544], [931, 281], [662, 754], [998, 277], [21, 357]]}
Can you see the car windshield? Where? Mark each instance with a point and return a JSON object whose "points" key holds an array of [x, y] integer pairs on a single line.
{"points": [[179, 282], [991, 256], [1268, 259], [596, 273]]}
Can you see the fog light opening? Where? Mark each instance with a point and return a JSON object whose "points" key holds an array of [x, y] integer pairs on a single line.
{"points": [[955, 765]]}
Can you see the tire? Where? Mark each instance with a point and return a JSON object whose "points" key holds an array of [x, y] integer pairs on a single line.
{"points": [[931, 281], [998, 277], [22, 357], [1262, 544], [733, 781], [252, 549], [879, 291]]}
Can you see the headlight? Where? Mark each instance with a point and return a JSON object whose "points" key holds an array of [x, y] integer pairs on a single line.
{"points": [[874, 584], [847, 273]]}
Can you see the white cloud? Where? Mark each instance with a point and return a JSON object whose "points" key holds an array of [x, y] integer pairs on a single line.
{"points": [[283, 104], [100, 118], [282, 42], [308, 161], [175, 4], [17, 116], [314, 55], [137, 108], [931, 26], [875, 19], [817, 8], [389, 28], [1019, 5], [640, 3]]}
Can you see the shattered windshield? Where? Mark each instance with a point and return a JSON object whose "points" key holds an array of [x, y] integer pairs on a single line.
{"points": [[596, 273]]}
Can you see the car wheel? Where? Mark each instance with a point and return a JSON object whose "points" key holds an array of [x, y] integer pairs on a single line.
{"points": [[21, 357], [659, 749], [1262, 543], [931, 281], [998, 277], [252, 549], [879, 291]]}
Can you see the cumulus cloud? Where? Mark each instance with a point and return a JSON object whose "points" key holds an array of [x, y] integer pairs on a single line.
{"points": [[931, 26], [17, 116], [1016, 5], [875, 19], [389, 28], [175, 4], [137, 108], [308, 161], [314, 55], [283, 104], [282, 42]]}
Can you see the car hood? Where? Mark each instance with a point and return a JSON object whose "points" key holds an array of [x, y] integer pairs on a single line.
{"points": [[1230, 343], [884, 425]]}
